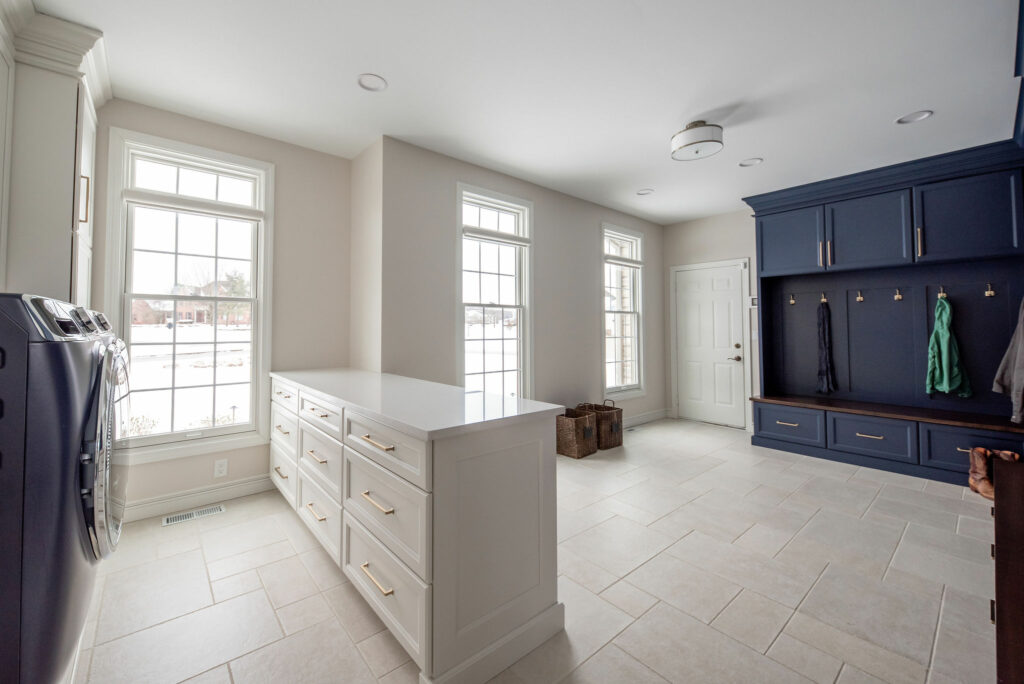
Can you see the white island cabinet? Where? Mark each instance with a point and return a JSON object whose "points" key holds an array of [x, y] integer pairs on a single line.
{"points": [[438, 505]]}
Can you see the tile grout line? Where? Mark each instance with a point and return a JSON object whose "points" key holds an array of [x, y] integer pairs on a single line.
{"points": [[935, 635], [796, 610]]}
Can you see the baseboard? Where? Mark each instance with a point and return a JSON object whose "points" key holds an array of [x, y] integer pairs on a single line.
{"points": [[193, 498], [641, 418]]}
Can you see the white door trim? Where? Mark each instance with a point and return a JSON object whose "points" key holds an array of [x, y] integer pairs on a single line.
{"points": [[743, 264]]}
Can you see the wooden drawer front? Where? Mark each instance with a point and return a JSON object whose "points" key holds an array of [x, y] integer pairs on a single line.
{"points": [[800, 425], [321, 513], [285, 394], [284, 429], [282, 473], [397, 513], [320, 413], [895, 440], [322, 456], [947, 447], [401, 454], [398, 597]]}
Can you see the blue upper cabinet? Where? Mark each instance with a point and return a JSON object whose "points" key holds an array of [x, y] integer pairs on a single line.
{"points": [[966, 218], [791, 242], [869, 232]]}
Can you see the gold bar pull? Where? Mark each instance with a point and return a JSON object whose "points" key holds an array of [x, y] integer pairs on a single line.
{"points": [[779, 422], [366, 569], [282, 394], [385, 511], [311, 453], [314, 409], [860, 434], [920, 241], [319, 518], [963, 451], [366, 438], [277, 469], [820, 261], [830, 253], [281, 430]]}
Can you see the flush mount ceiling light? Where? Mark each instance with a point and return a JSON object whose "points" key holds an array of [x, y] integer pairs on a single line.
{"points": [[645, 191], [372, 82], [753, 161], [698, 140], [914, 117]]}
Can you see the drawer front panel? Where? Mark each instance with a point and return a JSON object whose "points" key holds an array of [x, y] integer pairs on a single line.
{"points": [[398, 597], [397, 513], [323, 457], [282, 473], [284, 429], [403, 455], [321, 513], [790, 423], [948, 447], [285, 394], [323, 414], [895, 440]]}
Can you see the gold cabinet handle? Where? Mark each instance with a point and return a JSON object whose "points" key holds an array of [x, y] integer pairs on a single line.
{"points": [[282, 430], [779, 422], [829, 247], [963, 451], [920, 241], [366, 569], [860, 434], [385, 511], [312, 454], [315, 410], [366, 438], [820, 261], [282, 394], [319, 518], [277, 469]]}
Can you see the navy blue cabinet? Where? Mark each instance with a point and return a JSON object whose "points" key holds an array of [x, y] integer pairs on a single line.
{"points": [[790, 423], [947, 447], [965, 218], [791, 242], [868, 232], [895, 440]]}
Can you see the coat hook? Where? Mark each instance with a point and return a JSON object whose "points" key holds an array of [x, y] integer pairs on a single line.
{"points": [[990, 292], [942, 292], [792, 300], [897, 297], [824, 299], [860, 297]]}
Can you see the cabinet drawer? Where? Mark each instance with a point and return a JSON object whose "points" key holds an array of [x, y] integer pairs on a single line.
{"points": [[284, 429], [282, 473], [321, 513], [321, 413], [397, 513], [398, 452], [800, 425], [285, 394], [895, 440], [399, 598], [947, 447], [322, 456]]}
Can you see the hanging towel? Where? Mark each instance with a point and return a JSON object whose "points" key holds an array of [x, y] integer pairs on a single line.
{"points": [[826, 370], [1010, 376], [946, 372]]}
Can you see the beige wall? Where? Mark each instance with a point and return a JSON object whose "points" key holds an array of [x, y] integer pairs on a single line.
{"points": [[365, 258], [419, 324]]}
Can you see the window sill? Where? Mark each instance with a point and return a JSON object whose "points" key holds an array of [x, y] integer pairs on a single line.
{"points": [[199, 447], [623, 395]]}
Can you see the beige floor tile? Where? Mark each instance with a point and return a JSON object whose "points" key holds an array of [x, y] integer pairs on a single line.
{"points": [[851, 675], [816, 665], [723, 480], [88, 635], [322, 653], [967, 612], [964, 655], [628, 598], [945, 557], [617, 545], [753, 620], [950, 491], [240, 537], [612, 665], [831, 494], [298, 534], [406, 674], [233, 565], [297, 616], [505, 677], [847, 541], [908, 581], [885, 477], [936, 502], [81, 675], [687, 587], [218, 675], [820, 467], [245, 509], [571, 523], [353, 612], [322, 568], [287, 581], [208, 637], [696, 515], [909, 512], [173, 547], [235, 585], [151, 593], [382, 653], [588, 575], [764, 540], [580, 499], [768, 495], [977, 528]]}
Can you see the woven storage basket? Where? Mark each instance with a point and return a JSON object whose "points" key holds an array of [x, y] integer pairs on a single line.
{"points": [[609, 423], [576, 433]]}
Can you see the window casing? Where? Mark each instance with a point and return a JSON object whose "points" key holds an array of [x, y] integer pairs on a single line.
{"points": [[623, 303]]}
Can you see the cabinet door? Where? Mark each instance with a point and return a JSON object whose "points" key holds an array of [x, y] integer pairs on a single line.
{"points": [[965, 218], [791, 242], [948, 447], [869, 231]]}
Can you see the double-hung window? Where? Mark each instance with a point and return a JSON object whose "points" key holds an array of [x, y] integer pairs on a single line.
{"points": [[194, 236], [495, 247], [623, 271]]}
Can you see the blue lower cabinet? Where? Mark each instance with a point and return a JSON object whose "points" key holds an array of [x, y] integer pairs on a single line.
{"points": [[947, 447], [894, 440], [789, 423]]}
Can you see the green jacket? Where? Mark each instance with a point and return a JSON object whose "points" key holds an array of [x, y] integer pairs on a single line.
{"points": [[946, 372]]}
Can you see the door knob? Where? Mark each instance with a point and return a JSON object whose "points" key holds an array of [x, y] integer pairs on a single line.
{"points": [[735, 358]]}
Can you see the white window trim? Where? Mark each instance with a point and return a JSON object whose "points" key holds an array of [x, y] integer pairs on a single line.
{"points": [[122, 142], [640, 389], [525, 240]]}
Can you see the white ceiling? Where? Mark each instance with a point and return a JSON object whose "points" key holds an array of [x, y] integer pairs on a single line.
{"points": [[583, 95]]}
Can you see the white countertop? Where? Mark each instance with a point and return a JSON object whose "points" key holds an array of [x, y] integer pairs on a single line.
{"points": [[427, 410]]}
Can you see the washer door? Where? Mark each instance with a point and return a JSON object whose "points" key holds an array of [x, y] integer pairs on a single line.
{"points": [[110, 483]]}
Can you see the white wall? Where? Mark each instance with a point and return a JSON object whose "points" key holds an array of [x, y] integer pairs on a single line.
{"points": [[366, 257]]}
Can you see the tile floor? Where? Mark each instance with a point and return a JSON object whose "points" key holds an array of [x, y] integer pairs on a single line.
{"points": [[687, 555]]}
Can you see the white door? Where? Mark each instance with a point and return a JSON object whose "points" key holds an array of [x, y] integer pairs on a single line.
{"points": [[709, 344]]}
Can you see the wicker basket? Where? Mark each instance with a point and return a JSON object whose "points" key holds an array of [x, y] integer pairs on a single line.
{"points": [[576, 433], [609, 423]]}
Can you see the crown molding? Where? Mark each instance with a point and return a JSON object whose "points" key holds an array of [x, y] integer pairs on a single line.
{"points": [[55, 44], [97, 78], [15, 15]]}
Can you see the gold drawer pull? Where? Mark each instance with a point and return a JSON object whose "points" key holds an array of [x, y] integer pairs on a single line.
{"points": [[779, 422], [282, 394], [385, 511], [963, 451], [281, 430], [277, 469], [366, 438], [861, 434], [314, 409], [319, 518], [366, 568], [316, 458]]}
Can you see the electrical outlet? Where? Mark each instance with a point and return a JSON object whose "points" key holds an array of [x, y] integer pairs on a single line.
{"points": [[220, 467]]}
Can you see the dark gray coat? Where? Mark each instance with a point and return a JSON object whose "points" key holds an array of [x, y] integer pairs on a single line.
{"points": [[1010, 376]]}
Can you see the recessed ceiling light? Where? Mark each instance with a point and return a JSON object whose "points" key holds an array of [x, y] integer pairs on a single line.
{"points": [[914, 117], [753, 161], [645, 191], [372, 82]]}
